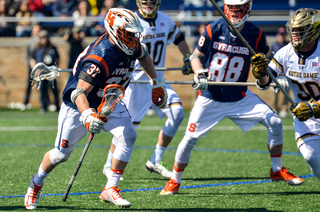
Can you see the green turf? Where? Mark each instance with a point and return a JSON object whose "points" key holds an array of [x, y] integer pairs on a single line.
{"points": [[212, 162]]}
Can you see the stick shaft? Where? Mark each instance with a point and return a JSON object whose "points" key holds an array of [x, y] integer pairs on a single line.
{"points": [[65, 196], [138, 69], [209, 83], [252, 52]]}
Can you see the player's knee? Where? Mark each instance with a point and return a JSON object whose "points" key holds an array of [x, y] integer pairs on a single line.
{"points": [[184, 149], [129, 135], [179, 116], [56, 156]]}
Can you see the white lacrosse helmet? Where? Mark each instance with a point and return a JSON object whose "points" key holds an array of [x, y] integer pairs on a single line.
{"points": [[237, 17], [148, 13], [121, 25]]}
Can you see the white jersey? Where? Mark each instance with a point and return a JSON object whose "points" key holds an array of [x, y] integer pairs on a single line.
{"points": [[302, 70], [157, 34]]}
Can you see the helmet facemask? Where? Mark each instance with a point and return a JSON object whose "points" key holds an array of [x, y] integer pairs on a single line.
{"points": [[303, 27], [237, 11], [144, 9]]}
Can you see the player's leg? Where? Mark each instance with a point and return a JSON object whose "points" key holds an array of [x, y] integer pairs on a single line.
{"points": [[67, 137], [138, 100], [254, 110], [120, 126], [310, 150], [175, 115], [203, 117]]}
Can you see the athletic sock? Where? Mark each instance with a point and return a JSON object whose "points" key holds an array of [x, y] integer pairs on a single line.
{"points": [[276, 162], [158, 154], [177, 174], [109, 160], [40, 176], [114, 178]]}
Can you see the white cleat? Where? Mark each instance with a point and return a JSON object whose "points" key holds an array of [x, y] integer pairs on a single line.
{"points": [[31, 198], [159, 168], [112, 195], [106, 172]]}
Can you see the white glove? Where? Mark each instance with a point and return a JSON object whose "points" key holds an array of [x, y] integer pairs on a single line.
{"points": [[200, 81], [159, 92], [283, 81], [92, 121]]}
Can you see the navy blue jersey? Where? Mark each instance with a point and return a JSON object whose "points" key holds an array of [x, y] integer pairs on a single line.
{"points": [[101, 64], [228, 59]]}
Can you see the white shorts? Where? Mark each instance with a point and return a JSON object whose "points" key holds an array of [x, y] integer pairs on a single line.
{"points": [[71, 131], [306, 130], [138, 100], [206, 113]]}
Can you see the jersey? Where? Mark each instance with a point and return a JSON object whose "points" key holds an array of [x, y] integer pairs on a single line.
{"points": [[101, 64], [228, 59], [157, 34], [302, 70]]}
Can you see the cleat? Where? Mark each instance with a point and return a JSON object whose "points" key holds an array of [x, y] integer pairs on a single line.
{"points": [[112, 195], [286, 176], [172, 187], [159, 168], [31, 198], [106, 172]]}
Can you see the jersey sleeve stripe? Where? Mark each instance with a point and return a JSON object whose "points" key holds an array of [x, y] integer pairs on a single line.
{"points": [[277, 64], [209, 31], [171, 33], [258, 39], [98, 40], [100, 60]]}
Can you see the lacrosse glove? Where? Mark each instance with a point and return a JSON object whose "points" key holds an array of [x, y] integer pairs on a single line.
{"points": [[303, 111], [92, 121], [283, 81], [186, 69], [200, 81], [159, 92], [259, 65]]}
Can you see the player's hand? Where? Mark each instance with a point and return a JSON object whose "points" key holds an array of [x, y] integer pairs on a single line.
{"points": [[186, 69], [200, 81], [159, 92], [92, 121], [303, 111], [259, 65], [283, 81]]}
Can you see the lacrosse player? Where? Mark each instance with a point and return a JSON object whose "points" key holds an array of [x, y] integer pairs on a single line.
{"points": [[222, 57], [299, 61], [108, 60], [159, 30]]}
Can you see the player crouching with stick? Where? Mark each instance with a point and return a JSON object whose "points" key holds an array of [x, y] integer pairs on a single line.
{"points": [[108, 60]]}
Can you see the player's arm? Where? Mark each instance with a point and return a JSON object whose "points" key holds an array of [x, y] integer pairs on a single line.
{"points": [[200, 81], [159, 91], [185, 51], [81, 101]]}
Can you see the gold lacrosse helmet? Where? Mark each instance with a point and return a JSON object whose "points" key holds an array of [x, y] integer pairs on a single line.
{"points": [[303, 27], [144, 11]]}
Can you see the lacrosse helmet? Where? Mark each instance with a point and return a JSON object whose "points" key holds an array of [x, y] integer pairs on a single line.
{"points": [[121, 25], [303, 27], [236, 16], [148, 13]]}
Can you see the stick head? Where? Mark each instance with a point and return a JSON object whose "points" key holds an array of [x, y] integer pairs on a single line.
{"points": [[112, 94], [43, 72]]}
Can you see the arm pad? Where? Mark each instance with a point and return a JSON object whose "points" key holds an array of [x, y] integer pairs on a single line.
{"points": [[76, 92]]}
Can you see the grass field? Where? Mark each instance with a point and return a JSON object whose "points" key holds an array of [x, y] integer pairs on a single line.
{"points": [[228, 171]]}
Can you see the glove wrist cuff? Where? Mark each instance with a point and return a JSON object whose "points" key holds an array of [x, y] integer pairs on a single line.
{"points": [[157, 82], [262, 87], [85, 114], [201, 71]]}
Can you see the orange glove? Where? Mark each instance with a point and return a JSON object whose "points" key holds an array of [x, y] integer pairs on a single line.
{"points": [[159, 92]]}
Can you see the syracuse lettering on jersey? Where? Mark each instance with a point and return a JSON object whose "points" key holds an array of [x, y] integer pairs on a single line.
{"points": [[230, 48], [302, 75], [121, 71]]}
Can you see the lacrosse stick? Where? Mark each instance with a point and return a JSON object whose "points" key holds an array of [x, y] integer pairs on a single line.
{"points": [[42, 72], [252, 52], [138, 69], [112, 94], [209, 83]]}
